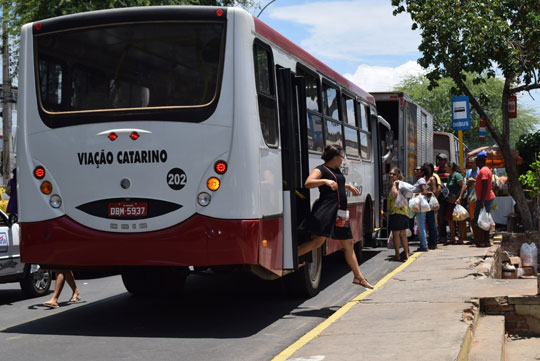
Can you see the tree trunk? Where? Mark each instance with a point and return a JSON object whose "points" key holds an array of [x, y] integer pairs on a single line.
{"points": [[517, 190], [7, 98]]}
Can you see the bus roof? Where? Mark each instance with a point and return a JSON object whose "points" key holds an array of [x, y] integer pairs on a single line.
{"points": [[266, 31]]}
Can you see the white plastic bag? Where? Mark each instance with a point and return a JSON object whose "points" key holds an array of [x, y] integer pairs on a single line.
{"points": [[434, 203], [529, 255], [390, 242], [406, 189], [484, 221], [460, 213], [419, 204], [401, 201]]}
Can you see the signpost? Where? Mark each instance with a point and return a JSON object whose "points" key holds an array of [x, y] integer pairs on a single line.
{"points": [[461, 120]]}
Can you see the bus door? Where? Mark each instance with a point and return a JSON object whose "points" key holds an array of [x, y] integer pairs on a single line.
{"points": [[294, 161]]}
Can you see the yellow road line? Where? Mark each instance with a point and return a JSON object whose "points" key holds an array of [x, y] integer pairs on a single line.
{"points": [[289, 351]]}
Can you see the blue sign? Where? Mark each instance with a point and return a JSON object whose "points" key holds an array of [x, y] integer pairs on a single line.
{"points": [[461, 113]]}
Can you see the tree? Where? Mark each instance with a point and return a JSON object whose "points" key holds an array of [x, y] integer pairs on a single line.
{"points": [[487, 37], [438, 100]]}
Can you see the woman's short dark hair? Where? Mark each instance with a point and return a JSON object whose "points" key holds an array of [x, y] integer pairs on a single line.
{"points": [[454, 167], [330, 151]]}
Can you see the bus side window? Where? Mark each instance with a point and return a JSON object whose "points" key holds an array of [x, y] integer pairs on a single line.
{"points": [[350, 127], [266, 93], [365, 134], [331, 111], [313, 112]]}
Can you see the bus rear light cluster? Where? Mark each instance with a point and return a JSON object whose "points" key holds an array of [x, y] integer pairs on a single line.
{"points": [[134, 135], [112, 136]]}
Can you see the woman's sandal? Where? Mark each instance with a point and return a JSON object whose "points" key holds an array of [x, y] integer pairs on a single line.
{"points": [[362, 282], [50, 305], [75, 299]]}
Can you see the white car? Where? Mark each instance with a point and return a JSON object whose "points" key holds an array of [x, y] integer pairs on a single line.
{"points": [[35, 281]]}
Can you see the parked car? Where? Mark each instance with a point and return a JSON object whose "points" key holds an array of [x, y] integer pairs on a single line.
{"points": [[4, 199], [34, 280]]}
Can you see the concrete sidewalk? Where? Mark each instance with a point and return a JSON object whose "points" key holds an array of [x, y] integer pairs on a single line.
{"points": [[424, 312]]}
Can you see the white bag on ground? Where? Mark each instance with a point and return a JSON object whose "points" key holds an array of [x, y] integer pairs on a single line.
{"points": [[484, 221], [434, 203], [460, 213], [406, 188], [529, 255]]}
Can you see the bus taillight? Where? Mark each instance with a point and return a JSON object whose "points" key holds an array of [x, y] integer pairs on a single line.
{"points": [[220, 167], [46, 187], [112, 136], [213, 184], [39, 172], [134, 135], [219, 12]]}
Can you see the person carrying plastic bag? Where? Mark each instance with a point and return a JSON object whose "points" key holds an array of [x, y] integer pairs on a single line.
{"points": [[484, 199], [457, 187], [420, 205], [398, 216]]}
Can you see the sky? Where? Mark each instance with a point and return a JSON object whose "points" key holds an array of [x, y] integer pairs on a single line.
{"points": [[359, 39]]}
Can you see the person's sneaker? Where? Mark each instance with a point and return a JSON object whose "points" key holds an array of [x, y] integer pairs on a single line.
{"points": [[421, 249]]}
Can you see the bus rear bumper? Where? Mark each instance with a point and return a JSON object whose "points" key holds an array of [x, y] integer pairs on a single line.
{"points": [[198, 241]]}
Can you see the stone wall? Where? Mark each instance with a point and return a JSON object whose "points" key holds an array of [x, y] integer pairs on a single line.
{"points": [[521, 314]]}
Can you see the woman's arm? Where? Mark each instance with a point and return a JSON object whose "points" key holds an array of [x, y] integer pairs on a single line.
{"points": [[462, 191], [314, 180], [353, 189]]}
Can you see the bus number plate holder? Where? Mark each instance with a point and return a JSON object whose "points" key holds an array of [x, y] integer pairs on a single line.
{"points": [[128, 209]]}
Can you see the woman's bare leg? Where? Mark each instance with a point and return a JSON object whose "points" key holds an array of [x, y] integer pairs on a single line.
{"points": [[312, 244], [396, 237], [405, 242], [59, 285], [352, 261], [70, 279]]}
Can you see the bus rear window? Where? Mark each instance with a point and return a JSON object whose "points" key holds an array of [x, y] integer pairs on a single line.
{"points": [[130, 66]]}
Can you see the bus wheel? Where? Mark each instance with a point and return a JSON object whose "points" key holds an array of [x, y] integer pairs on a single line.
{"points": [[155, 281], [36, 284], [305, 281]]}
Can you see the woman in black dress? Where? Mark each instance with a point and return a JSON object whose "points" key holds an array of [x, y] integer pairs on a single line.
{"points": [[322, 220]]}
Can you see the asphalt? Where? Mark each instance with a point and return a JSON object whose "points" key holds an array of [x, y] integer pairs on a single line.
{"points": [[424, 310]]}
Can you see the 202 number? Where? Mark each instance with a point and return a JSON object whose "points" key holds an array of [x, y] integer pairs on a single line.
{"points": [[176, 178]]}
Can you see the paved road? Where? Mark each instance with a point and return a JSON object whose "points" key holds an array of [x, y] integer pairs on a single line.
{"points": [[229, 317]]}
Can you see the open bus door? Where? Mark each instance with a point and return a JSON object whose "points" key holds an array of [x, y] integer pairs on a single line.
{"points": [[295, 169]]}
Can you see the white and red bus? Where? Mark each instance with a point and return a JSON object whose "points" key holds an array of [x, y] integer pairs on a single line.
{"points": [[158, 140]]}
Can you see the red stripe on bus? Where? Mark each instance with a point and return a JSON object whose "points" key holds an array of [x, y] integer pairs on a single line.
{"points": [[199, 241], [290, 47]]}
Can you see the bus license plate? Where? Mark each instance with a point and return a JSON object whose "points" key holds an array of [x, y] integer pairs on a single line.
{"points": [[134, 209]]}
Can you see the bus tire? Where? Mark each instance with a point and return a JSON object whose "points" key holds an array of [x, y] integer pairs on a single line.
{"points": [[155, 281], [36, 284], [304, 283]]}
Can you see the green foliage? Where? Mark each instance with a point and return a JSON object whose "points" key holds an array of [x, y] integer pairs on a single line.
{"points": [[438, 102], [528, 146], [531, 179]]}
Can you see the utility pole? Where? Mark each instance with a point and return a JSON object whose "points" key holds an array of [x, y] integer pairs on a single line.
{"points": [[7, 146]]}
